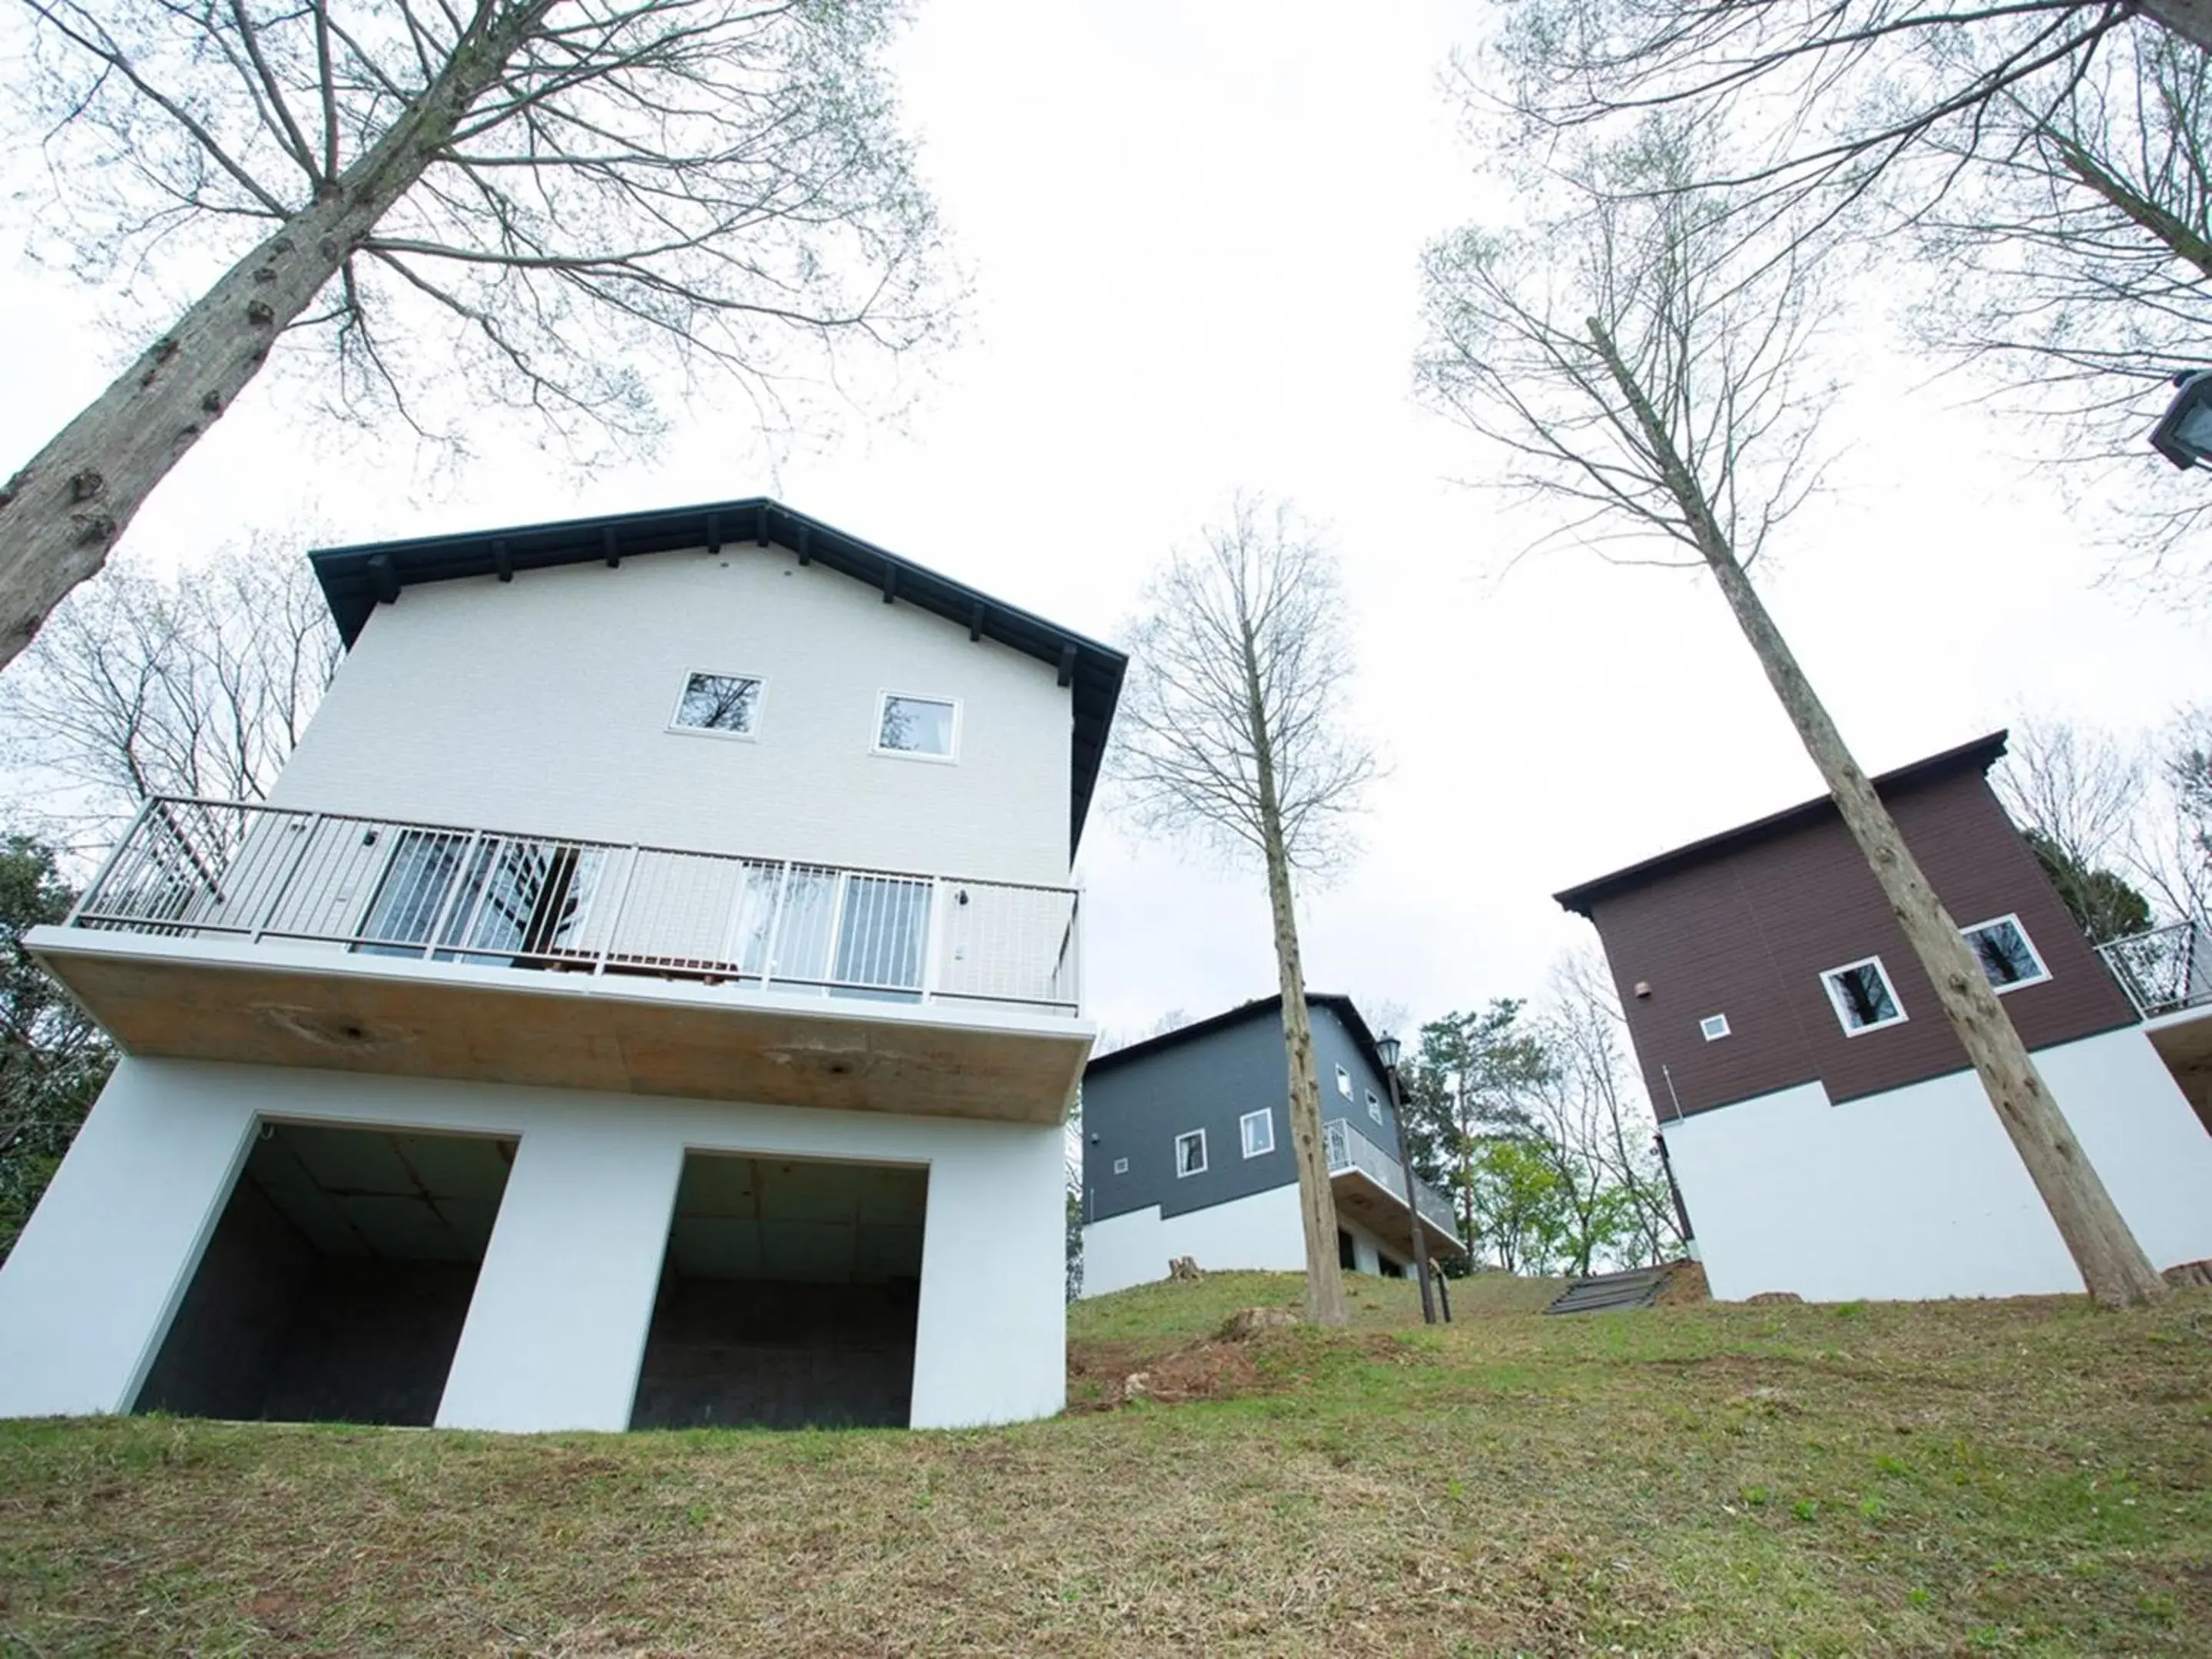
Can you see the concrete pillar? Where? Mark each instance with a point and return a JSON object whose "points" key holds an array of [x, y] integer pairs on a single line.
{"points": [[991, 1332], [556, 1331], [87, 1294]]}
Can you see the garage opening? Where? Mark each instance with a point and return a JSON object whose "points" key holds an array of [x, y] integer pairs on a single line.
{"points": [[334, 1286], [787, 1297]]}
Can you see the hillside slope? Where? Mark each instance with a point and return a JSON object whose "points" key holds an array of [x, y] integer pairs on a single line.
{"points": [[2021, 1477]]}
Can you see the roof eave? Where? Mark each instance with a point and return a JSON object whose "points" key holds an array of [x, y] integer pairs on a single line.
{"points": [[1337, 1000], [356, 579], [1977, 756]]}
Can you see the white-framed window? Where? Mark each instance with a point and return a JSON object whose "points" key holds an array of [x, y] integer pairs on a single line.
{"points": [[1190, 1153], [2007, 956], [718, 704], [1715, 1027], [1374, 1106], [1343, 1083], [918, 728], [1258, 1131], [1863, 999], [1120, 1166]]}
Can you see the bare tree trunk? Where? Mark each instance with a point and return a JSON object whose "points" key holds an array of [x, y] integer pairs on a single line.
{"points": [[2163, 226], [2189, 19], [2113, 1265], [1325, 1303], [61, 513]]}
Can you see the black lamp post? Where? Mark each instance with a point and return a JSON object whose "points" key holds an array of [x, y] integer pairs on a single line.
{"points": [[1389, 1048], [2184, 433]]}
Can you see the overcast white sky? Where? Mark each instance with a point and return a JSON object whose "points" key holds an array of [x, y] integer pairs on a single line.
{"points": [[1193, 232]]}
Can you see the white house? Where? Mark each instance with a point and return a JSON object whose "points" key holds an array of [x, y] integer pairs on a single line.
{"points": [[649, 996]]}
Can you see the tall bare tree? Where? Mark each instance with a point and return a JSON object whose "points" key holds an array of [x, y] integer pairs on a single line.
{"points": [[2045, 157], [1591, 1107], [1824, 98], [2083, 803], [2123, 822], [198, 683], [2187, 767], [2087, 233], [1233, 732], [1643, 364], [571, 206]]}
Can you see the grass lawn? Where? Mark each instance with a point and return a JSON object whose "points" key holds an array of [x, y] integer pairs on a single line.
{"points": [[2027, 1477]]}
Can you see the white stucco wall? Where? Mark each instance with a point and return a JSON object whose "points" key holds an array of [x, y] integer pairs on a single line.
{"points": [[1259, 1233], [556, 1331], [1917, 1192], [543, 704]]}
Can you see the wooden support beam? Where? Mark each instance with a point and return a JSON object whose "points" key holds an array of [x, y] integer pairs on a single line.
{"points": [[713, 534], [976, 620], [614, 555], [760, 524], [1067, 669], [503, 561], [890, 582], [385, 575], [805, 544]]}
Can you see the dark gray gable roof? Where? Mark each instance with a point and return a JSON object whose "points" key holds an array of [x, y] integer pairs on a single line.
{"points": [[1979, 756], [1271, 1007], [355, 580]]}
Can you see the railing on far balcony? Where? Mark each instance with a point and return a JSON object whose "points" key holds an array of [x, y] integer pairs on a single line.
{"points": [[192, 868], [2165, 971], [1349, 1150]]}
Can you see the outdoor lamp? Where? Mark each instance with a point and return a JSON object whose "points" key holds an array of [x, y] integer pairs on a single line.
{"points": [[1387, 1047], [2184, 433]]}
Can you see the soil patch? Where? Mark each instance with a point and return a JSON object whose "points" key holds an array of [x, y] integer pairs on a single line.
{"points": [[1213, 1370]]}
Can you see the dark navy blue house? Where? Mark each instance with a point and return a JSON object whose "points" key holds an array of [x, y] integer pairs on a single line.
{"points": [[1187, 1151]]}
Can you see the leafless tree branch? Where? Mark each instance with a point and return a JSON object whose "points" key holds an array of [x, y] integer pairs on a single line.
{"points": [[577, 209]]}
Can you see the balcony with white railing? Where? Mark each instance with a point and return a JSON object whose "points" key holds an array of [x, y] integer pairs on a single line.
{"points": [[1369, 1185], [228, 930], [2165, 970], [2167, 974]]}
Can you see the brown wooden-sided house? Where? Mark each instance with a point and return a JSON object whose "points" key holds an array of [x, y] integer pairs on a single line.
{"points": [[1824, 1129]]}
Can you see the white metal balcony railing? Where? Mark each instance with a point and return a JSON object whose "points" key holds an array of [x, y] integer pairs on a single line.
{"points": [[1349, 1150], [2165, 970], [192, 868]]}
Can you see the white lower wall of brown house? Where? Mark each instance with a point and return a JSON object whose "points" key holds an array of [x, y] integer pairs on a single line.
{"points": [[1916, 1193], [556, 1329], [1259, 1233]]}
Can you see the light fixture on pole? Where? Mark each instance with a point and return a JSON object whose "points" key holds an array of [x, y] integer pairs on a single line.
{"points": [[2184, 433], [1387, 1049]]}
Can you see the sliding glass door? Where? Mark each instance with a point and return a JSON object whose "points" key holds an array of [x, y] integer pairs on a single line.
{"points": [[494, 898]]}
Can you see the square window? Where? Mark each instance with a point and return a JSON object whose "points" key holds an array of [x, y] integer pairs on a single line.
{"points": [[1715, 1026], [1258, 1129], [726, 703], [1863, 996], [1190, 1153], [1343, 1083], [926, 728], [1120, 1166], [2003, 949], [1374, 1107]]}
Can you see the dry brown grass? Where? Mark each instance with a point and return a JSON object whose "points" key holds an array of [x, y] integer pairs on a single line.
{"points": [[2024, 1477]]}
